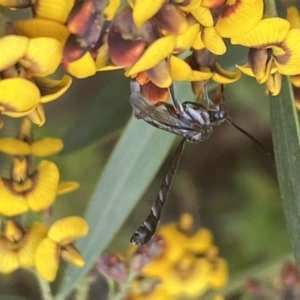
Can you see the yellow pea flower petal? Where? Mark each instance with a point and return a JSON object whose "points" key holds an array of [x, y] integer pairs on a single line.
{"points": [[12, 203], [46, 146], [246, 69], [266, 32], [14, 147], [144, 10], [213, 41], [186, 40], [218, 276], [47, 259], [83, 67], [68, 229], [111, 9], [9, 260], [289, 62], [70, 254], [189, 277], [198, 43], [160, 75], [65, 187], [45, 180], [54, 10], [223, 76], [52, 89], [37, 116], [13, 231], [203, 16], [43, 56], [13, 48], [34, 28], [29, 244], [200, 242], [156, 52], [293, 17], [239, 17], [295, 79], [18, 95], [181, 71]]}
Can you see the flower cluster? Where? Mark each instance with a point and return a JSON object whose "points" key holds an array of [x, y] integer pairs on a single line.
{"points": [[175, 263], [35, 188]]}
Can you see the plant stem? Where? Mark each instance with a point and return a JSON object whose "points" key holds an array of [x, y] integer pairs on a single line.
{"points": [[270, 9], [44, 287]]}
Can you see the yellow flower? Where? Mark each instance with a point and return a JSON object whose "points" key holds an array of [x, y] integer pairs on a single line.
{"points": [[28, 190], [272, 42], [189, 276], [59, 243], [239, 17], [39, 56], [17, 247]]}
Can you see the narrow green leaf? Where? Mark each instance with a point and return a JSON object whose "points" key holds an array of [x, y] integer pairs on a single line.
{"points": [[132, 165], [286, 139], [106, 114]]}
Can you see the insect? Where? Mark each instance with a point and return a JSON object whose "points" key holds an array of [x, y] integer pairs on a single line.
{"points": [[193, 121]]}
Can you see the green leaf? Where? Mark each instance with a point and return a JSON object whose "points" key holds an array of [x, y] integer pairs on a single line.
{"points": [[285, 132], [105, 115]]}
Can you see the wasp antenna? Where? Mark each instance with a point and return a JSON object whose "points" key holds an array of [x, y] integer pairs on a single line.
{"points": [[251, 137]]}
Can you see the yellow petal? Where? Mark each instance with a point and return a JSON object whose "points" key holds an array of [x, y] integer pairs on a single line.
{"points": [[274, 83], [47, 259], [67, 230], [160, 75], [293, 17], [45, 182], [239, 17], [296, 80], [246, 69], [181, 71], [213, 41], [37, 116], [52, 89], [145, 9], [198, 43], [14, 147], [43, 56], [111, 9], [18, 95], [83, 67], [9, 259], [289, 62], [54, 10], [12, 203], [219, 274], [70, 254], [29, 244], [46, 146], [13, 48], [65, 187], [186, 40], [200, 242], [267, 32], [34, 28], [156, 52], [203, 16], [19, 170], [13, 231], [16, 3], [223, 76]]}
